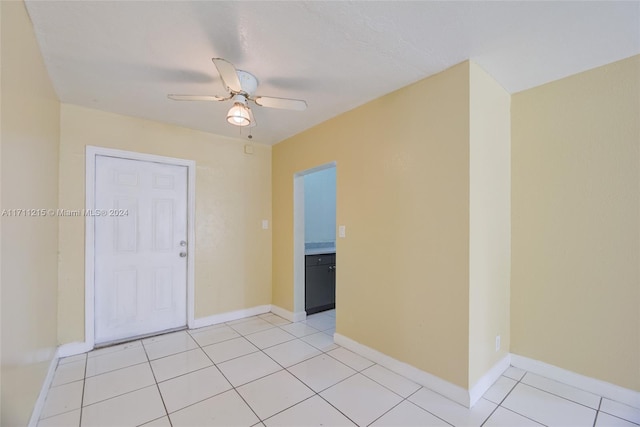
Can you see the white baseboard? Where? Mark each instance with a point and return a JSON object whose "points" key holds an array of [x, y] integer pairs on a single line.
{"points": [[73, 348], [230, 316], [290, 316], [42, 397], [470, 397], [592, 385], [445, 388], [79, 347], [487, 380]]}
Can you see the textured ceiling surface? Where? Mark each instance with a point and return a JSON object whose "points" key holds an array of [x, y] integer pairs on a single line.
{"points": [[125, 57]]}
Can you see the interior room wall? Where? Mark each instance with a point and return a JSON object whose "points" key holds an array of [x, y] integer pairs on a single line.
{"points": [[403, 195], [233, 196], [29, 122], [320, 206], [575, 293], [489, 222]]}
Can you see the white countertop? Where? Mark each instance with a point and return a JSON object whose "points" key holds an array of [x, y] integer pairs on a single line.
{"points": [[320, 251], [323, 250]]}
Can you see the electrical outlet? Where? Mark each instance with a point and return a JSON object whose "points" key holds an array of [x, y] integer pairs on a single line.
{"points": [[342, 232], [265, 224], [497, 342]]}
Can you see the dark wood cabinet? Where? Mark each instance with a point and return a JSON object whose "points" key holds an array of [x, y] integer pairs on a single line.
{"points": [[320, 282]]}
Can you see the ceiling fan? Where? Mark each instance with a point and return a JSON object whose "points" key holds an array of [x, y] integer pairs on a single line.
{"points": [[241, 87]]}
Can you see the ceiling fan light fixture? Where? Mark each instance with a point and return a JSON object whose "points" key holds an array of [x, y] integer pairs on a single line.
{"points": [[241, 86], [238, 115]]}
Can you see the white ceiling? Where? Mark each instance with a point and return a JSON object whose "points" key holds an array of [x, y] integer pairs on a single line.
{"points": [[125, 57]]}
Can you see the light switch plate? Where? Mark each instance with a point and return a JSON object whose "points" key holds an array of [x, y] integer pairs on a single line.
{"points": [[265, 224], [342, 231]]}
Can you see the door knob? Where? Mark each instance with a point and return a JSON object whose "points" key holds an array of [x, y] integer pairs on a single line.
{"points": [[183, 243], [183, 254]]}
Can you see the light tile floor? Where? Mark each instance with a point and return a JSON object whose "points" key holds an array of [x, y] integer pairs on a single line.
{"points": [[265, 371]]}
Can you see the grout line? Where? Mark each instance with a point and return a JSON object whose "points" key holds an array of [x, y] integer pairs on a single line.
{"points": [[441, 395], [387, 411], [499, 405], [142, 337], [274, 345], [254, 332], [155, 419], [305, 384], [262, 351], [334, 407], [148, 361], [597, 412], [289, 407], [233, 358], [326, 388], [218, 342], [620, 418], [182, 375], [283, 368], [166, 412], [66, 411], [561, 397], [322, 351], [119, 395], [246, 403], [290, 373], [116, 369], [520, 381], [202, 400], [490, 415], [84, 382], [227, 379], [51, 386], [317, 393], [114, 351], [169, 355], [57, 415], [428, 412], [392, 391], [523, 416]]}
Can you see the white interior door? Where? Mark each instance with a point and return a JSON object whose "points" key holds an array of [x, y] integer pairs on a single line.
{"points": [[140, 248]]}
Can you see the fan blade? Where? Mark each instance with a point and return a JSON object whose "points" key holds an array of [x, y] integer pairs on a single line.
{"points": [[228, 74], [196, 97], [283, 103]]}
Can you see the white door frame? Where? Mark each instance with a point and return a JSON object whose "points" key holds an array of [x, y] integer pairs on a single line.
{"points": [[298, 239], [89, 257]]}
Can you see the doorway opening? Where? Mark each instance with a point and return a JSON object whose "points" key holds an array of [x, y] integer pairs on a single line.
{"points": [[314, 224]]}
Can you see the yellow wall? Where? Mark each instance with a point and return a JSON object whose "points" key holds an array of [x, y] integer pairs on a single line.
{"points": [[403, 194], [575, 295], [30, 141], [233, 195], [490, 222]]}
